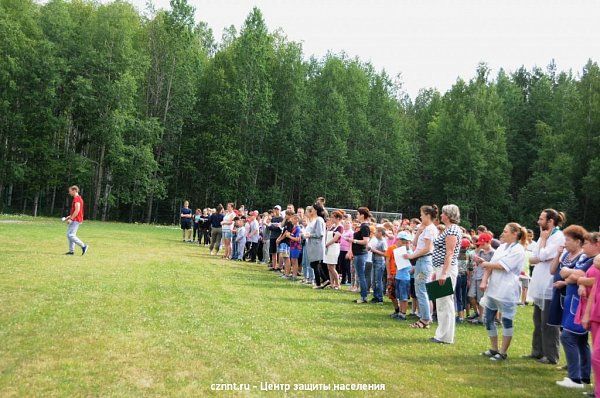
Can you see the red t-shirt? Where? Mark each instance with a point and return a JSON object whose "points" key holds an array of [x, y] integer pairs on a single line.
{"points": [[77, 199]]}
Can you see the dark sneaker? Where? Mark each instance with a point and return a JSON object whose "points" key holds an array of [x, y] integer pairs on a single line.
{"points": [[546, 361], [84, 249], [499, 357], [360, 301], [69, 253]]}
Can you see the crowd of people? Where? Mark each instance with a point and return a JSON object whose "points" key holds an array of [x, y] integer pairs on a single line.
{"points": [[490, 276]]}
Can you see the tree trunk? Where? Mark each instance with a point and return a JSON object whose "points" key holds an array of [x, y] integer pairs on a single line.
{"points": [[53, 201], [36, 200], [98, 183], [149, 208], [107, 189], [10, 193]]}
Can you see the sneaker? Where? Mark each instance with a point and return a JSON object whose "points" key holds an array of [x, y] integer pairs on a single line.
{"points": [[394, 314], [546, 361], [401, 317], [499, 357], [84, 249], [489, 353], [360, 301], [69, 253], [568, 383]]}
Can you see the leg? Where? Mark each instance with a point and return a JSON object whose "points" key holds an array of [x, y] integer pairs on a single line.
{"points": [[359, 265], [422, 276], [445, 315], [550, 335], [569, 342], [507, 333], [585, 358], [315, 266], [596, 356], [536, 342], [72, 236], [490, 326]]}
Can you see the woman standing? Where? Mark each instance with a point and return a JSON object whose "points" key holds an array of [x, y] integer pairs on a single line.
{"points": [[227, 225], [332, 247], [426, 234], [445, 263], [359, 241], [502, 290], [215, 220], [186, 221], [315, 243]]}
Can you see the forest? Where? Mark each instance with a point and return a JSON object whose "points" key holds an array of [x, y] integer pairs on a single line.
{"points": [[146, 108]]}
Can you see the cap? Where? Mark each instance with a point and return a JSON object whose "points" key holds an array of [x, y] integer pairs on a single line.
{"points": [[465, 243], [483, 239], [403, 235], [277, 207]]}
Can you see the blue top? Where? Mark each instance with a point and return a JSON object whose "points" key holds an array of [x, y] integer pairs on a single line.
{"points": [[572, 299], [404, 273], [215, 220]]}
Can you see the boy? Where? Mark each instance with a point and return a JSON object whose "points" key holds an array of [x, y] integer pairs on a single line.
{"points": [[390, 265], [378, 249], [73, 221], [402, 278], [295, 245], [484, 251], [240, 238]]}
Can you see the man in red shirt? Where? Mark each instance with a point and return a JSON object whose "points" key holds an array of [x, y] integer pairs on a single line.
{"points": [[73, 222]]}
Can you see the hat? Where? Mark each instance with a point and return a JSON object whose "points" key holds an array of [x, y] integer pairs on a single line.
{"points": [[403, 235], [277, 207], [465, 243], [483, 239]]}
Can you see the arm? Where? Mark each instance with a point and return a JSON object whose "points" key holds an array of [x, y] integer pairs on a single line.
{"points": [[571, 275], [75, 212], [585, 321], [585, 281], [421, 252]]}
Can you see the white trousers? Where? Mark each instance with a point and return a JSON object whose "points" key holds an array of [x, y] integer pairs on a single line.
{"points": [[446, 310]]}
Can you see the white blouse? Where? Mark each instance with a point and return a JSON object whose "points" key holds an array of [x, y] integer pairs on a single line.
{"points": [[503, 285]]}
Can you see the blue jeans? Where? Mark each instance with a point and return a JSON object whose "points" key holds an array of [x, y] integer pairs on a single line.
{"points": [[423, 271], [577, 351], [460, 294], [379, 269], [307, 271], [360, 261]]}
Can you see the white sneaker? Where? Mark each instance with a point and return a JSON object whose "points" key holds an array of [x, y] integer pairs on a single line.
{"points": [[568, 383]]}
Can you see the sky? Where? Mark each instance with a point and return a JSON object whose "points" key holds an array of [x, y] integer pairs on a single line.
{"points": [[430, 43]]}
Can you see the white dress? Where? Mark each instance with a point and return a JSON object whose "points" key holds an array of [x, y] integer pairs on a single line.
{"points": [[333, 251]]}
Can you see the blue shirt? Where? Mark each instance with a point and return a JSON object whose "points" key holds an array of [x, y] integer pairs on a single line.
{"points": [[572, 299], [404, 273]]}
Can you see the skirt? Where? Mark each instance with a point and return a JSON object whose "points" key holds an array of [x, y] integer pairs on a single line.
{"points": [[332, 253]]}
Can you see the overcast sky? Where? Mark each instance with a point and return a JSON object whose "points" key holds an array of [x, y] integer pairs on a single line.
{"points": [[429, 42]]}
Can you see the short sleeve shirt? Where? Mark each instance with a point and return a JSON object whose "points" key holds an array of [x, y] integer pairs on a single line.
{"points": [[363, 232], [439, 246]]}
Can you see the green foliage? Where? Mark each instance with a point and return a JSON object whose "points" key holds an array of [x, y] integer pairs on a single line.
{"points": [[144, 111]]}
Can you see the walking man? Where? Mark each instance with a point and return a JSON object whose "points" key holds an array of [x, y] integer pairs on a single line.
{"points": [[73, 221]]}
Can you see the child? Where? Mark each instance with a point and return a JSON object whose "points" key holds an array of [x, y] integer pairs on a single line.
{"points": [[283, 243], [240, 238], [390, 265], [484, 253], [378, 249], [402, 278], [295, 245]]}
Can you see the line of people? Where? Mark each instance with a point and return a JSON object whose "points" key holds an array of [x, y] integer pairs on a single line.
{"points": [[490, 277]]}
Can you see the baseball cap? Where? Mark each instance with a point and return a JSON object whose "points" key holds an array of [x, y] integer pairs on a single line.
{"points": [[277, 207], [483, 239], [403, 235], [465, 243]]}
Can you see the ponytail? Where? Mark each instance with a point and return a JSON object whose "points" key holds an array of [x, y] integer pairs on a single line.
{"points": [[558, 217], [432, 211], [520, 231]]}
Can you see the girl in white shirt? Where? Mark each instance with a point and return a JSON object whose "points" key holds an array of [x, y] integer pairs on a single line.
{"points": [[502, 288]]}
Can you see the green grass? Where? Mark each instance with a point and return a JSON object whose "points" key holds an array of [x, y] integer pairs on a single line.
{"points": [[145, 314]]}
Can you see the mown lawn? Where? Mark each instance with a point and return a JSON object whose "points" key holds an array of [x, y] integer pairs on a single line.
{"points": [[145, 314]]}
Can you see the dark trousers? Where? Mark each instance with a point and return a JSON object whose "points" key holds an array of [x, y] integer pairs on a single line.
{"points": [[196, 232], [251, 251], [204, 233], [579, 358], [545, 337], [460, 293], [345, 267], [320, 276]]}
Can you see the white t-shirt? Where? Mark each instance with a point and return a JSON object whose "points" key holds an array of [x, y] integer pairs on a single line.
{"points": [[429, 232], [227, 217], [504, 285]]}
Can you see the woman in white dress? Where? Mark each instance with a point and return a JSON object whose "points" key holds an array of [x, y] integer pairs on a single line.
{"points": [[332, 247]]}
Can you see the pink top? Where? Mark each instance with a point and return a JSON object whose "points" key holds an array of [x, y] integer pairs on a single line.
{"points": [[592, 272], [344, 244]]}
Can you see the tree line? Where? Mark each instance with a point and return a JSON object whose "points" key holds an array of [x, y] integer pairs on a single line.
{"points": [[145, 109]]}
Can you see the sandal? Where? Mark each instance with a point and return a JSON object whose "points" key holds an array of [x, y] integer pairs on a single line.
{"points": [[419, 325], [499, 357], [490, 353]]}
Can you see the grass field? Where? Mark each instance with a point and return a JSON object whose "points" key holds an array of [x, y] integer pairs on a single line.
{"points": [[145, 314]]}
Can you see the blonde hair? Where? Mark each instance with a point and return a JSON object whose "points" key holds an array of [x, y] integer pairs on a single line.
{"points": [[520, 231]]}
